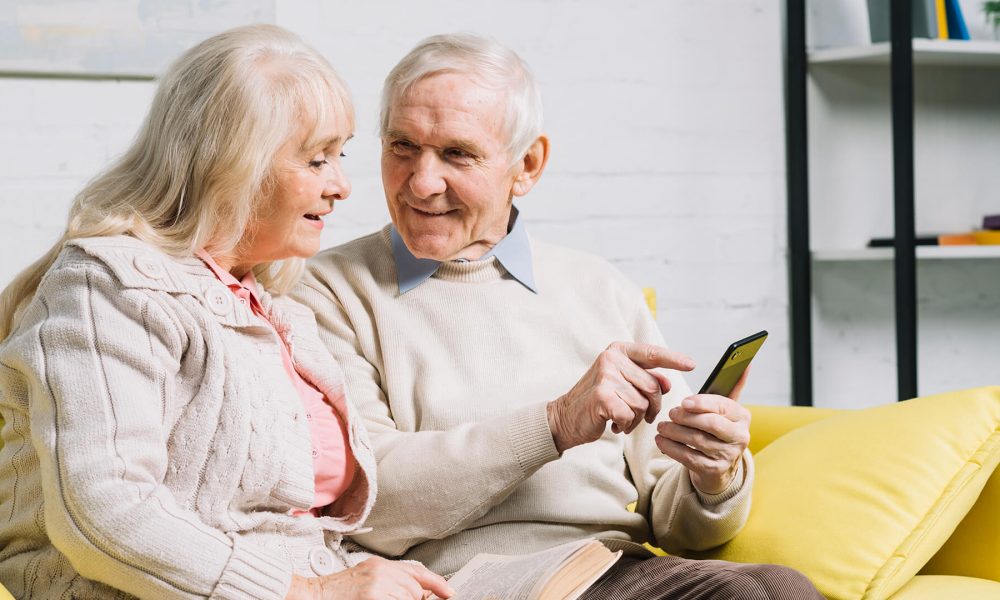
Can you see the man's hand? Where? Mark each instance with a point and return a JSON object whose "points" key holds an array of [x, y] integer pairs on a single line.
{"points": [[707, 434], [618, 387]]}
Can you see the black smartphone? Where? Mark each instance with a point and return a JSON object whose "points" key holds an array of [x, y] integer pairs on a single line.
{"points": [[732, 364]]}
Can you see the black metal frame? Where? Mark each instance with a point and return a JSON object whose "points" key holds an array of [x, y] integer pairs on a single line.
{"points": [[797, 168], [905, 264]]}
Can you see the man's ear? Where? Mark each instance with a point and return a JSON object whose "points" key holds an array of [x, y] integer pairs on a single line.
{"points": [[532, 166]]}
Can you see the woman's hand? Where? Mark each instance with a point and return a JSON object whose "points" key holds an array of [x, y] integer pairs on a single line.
{"points": [[373, 579]]}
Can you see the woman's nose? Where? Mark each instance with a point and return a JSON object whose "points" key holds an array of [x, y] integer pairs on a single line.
{"points": [[337, 185]]}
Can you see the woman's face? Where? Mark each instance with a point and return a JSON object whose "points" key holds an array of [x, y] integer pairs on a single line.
{"points": [[307, 183]]}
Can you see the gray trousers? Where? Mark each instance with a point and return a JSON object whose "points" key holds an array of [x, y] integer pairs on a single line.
{"points": [[674, 578]]}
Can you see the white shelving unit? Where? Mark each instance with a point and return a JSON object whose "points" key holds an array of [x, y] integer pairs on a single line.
{"points": [[956, 141], [957, 181], [923, 253], [952, 53]]}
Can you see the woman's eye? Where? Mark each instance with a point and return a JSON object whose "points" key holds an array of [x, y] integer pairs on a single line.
{"points": [[342, 155], [319, 163]]}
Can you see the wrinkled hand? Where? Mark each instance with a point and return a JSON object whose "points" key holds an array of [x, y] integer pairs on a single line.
{"points": [[707, 434], [373, 579], [619, 388]]}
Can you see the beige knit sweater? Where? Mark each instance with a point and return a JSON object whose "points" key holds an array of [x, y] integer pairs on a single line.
{"points": [[452, 379], [154, 443]]}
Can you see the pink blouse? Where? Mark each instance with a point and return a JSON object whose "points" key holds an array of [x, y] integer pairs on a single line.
{"points": [[333, 462]]}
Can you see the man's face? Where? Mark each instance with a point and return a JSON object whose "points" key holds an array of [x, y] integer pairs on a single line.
{"points": [[447, 176]]}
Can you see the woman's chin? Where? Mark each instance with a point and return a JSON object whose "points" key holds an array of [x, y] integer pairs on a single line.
{"points": [[304, 251]]}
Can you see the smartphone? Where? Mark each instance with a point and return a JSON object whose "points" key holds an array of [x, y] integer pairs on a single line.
{"points": [[732, 364]]}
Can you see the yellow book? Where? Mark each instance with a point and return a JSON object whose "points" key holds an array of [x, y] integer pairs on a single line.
{"points": [[942, 19], [987, 237]]}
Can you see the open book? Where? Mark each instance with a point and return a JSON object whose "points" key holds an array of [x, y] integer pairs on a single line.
{"points": [[560, 573]]}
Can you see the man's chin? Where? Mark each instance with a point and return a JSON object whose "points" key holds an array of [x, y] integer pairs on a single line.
{"points": [[430, 247]]}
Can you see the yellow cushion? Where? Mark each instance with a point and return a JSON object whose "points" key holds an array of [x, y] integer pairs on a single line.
{"points": [[859, 501], [939, 587], [768, 423], [650, 295]]}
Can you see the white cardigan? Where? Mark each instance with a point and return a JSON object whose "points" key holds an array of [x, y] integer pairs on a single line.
{"points": [[153, 442]]}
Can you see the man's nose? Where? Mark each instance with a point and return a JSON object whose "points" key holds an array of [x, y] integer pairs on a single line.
{"points": [[428, 176]]}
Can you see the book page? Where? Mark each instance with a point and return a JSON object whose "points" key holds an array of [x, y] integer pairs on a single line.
{"points": [[579, 572], [518, 577], [499, 577]]}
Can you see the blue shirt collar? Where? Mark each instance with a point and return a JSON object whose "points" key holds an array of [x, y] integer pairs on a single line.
{"points": [[513, 252]]}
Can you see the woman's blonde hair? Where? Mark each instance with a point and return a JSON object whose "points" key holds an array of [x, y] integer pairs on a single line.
{"points": [[201, 163]]}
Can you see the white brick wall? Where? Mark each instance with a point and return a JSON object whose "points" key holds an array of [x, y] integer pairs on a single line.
{"points": [[666, 122], [56, 134]]}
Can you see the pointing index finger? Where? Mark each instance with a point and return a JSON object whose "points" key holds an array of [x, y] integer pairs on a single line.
{"points": [[650, 356]]}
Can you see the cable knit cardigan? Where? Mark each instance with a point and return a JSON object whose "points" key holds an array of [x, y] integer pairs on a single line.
{"points": [[153, 442]]}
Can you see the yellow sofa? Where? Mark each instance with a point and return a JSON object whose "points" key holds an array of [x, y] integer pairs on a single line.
{"points": [[958, 429], [964, 561]]}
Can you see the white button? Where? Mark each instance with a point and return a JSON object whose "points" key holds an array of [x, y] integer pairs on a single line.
{"points": [[243, 302], [148, 266], [218, 300], [321, 561]]}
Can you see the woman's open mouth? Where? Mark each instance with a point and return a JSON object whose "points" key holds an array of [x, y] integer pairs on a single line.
{"points": [[314, 220]]}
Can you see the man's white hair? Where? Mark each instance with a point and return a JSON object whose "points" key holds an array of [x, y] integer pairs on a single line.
{"points": [[489, 64]]}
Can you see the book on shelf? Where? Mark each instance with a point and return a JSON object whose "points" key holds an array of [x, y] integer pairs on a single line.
{"points": [[888, 242], [941, 19], [991, 222], [957, 29], [956, 239], [564, 572], [987, 237], [983, 237], [926, 18]]}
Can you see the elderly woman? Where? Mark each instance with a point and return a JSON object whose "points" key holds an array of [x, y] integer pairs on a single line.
{"points": [[170, 431]]}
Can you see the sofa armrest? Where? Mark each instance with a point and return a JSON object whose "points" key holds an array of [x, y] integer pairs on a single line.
{"points": [[973, 549], [768, 423]]}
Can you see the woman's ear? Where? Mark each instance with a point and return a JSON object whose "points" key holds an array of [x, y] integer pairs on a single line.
{"points": [[532, 166]]}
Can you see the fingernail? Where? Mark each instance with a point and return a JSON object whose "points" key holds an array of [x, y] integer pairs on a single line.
{"points": [[687, 403]]}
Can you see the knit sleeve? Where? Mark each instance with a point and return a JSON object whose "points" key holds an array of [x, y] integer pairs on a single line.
{"points": [[432, 484], [681, 516], [94, 357]]}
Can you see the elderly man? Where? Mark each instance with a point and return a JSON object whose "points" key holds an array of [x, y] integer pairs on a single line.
{"points": [[511, 387]]}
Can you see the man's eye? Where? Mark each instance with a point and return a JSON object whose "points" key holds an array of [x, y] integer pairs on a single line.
{"points": [[402, 146], [457, 154]]}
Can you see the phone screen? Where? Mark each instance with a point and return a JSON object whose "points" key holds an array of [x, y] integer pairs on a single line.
{"points": [[733, 363]]}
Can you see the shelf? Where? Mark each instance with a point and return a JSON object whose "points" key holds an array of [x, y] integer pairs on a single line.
{"points": [[954, 53], [923, 252]]}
